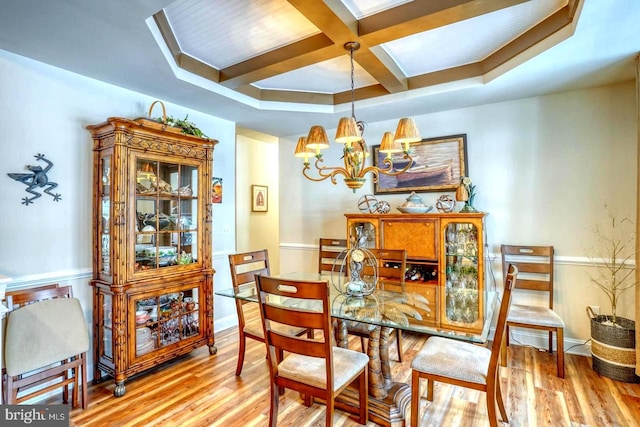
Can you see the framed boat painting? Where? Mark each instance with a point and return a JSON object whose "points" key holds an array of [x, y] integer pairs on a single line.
{"points": [[438, 165]]}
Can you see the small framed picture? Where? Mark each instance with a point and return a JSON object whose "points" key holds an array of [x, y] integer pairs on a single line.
{"points": [[259, 198]]}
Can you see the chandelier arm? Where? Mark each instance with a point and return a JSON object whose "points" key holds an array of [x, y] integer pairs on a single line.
{"points": [[389, 169], [321, 172]]}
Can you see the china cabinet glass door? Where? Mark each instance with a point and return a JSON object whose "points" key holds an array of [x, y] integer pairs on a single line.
{"points": [[166, 319], [104, 246], [166, 226], [363, 235], [462, 294]]}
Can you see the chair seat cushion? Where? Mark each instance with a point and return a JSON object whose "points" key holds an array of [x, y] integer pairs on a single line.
{"points": [[43, 333], [534, 315], [311, 370], [255, 328], [454, 359]]}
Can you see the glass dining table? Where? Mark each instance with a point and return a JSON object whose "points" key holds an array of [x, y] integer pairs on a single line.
{"points": [[382, 310]]}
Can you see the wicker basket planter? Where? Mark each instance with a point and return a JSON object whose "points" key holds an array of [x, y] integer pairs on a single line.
{"points": [[613, 348]]}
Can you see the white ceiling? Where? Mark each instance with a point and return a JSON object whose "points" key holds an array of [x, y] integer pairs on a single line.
{"points": [[120, 42]]}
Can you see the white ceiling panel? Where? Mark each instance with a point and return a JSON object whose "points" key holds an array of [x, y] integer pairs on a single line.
{"points": [[332, 76], [363, 8], [467, 41], [222, 33]]}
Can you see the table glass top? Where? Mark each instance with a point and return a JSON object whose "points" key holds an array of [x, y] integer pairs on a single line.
{"points": [[404, 310]]}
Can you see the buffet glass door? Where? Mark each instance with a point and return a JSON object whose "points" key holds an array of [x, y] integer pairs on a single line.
{"points": [[463, 290]]}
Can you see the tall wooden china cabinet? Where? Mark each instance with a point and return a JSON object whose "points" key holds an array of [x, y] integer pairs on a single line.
{"points": [[152, 267], [445, 254]]}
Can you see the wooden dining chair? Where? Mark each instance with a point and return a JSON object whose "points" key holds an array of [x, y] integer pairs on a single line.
{"points": [[392, 265], [46, 341], [244, 267], [535, 264], [313, 367], [464, 364], [331, 252]]}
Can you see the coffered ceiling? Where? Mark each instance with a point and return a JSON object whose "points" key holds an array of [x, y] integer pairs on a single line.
{"points": [[293, 50], [279, 66]]}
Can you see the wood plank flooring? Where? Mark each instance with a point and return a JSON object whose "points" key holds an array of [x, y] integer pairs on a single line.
{"points": [[202, 390]]}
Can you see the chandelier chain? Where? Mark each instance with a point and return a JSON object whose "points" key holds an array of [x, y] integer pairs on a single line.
{"points": [[353, 111]]}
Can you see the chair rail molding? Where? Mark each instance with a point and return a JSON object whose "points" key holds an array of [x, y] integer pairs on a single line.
{"points": [[30, 280]]}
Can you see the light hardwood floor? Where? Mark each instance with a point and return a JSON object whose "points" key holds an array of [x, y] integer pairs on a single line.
{"points": [[202, 390]]}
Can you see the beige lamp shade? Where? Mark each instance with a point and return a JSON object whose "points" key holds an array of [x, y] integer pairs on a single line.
{"points": [[347, 131], [302, 150], [462, 194], [317, 138], [407, 132], [388, 145]]}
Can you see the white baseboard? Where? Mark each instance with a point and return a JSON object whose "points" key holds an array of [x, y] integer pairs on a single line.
{"points": [[225, 323], [528, 337]]}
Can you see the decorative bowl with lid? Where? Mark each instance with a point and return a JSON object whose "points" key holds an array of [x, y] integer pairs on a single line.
{"points": [[414, 204]]}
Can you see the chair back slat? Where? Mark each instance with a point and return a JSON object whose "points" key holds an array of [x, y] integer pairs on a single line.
{"points": [[533, 285], [20, 298], [293, 344], [303, 319], [535, 267], [531, 267], [330, 254], [540, 251]]}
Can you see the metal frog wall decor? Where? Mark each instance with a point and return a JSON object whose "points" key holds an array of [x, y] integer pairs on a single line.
{"points": [[37, 178]]}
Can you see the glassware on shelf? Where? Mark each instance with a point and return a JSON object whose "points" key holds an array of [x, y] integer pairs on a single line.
{"points": [[461, 289]]}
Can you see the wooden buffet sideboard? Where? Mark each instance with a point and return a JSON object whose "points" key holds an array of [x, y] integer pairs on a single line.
{"points": [[152, 232], [445, 261]]}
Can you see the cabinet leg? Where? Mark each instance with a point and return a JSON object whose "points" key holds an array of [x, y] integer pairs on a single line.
{"points": [[119, 390], [213, 349]]}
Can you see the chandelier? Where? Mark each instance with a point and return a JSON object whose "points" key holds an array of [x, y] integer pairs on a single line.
{"points": [[349, 133]]}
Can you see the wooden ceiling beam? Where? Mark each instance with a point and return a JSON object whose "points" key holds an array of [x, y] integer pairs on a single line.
{"points": [[547, 28], [334, 20], [309, 51], [184, 61], [420, 16]]}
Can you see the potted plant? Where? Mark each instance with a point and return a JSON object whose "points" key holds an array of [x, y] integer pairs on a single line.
{"points": [[188, 128], [613, 346], [171, 124]]}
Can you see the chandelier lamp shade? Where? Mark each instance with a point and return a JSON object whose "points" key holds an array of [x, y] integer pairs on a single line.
{"points": [[355, 152]]}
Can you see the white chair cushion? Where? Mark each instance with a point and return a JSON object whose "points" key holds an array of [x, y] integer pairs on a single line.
{"points": [[453, 359], [43, 333], [254, 328], [534, 315], [311, 370]]}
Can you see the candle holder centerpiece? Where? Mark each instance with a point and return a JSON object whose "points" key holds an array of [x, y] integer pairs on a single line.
{"points": [[355, 271]]}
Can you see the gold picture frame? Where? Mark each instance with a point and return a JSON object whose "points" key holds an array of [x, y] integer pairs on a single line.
{"points": [[438, 165], [259, 198]]}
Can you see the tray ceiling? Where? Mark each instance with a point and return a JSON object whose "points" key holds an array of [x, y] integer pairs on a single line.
{"points": [[285, 69], [292, 50]]}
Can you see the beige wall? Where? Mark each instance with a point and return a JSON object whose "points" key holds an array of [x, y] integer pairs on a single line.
{"points": [[257, 164], [544, 167]]}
